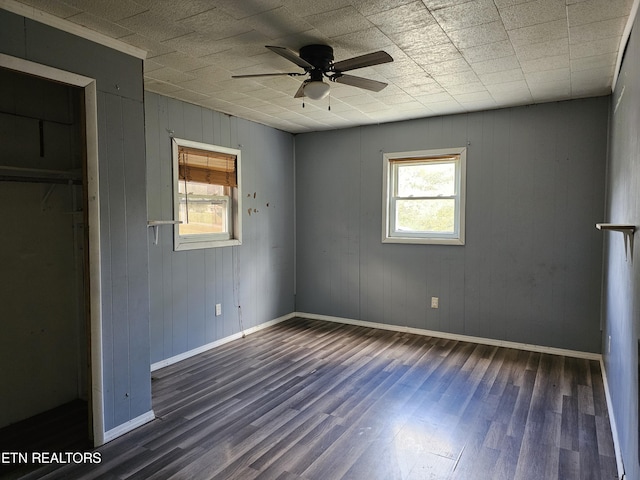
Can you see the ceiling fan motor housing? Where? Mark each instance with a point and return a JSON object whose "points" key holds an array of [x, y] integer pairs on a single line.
{"points": [[320, 56]]}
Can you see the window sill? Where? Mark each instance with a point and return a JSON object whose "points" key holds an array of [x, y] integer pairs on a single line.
{"points": [[424, 241], [207, 244]]}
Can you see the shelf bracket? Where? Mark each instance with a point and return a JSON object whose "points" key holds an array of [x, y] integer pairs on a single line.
{"points": [[156, 223], [626, 229]]}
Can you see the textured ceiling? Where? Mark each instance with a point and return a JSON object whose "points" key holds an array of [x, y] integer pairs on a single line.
{"points": [[450, 56]]}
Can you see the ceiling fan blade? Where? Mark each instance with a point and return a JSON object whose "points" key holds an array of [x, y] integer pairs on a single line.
{"points": [[300, 92], [366, 83], [375, 58], [291, 74], [290, 55]]}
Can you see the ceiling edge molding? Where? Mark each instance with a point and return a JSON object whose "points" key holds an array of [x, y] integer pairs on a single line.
{"points": [[623, 42], [70, 27]]}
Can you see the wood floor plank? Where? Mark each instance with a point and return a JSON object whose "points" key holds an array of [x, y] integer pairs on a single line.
{"points": [[476, 457], [569, 464], [307, 399], [599, 399], [381, 460], [551, 429], [300, 455], [533, 456], [570, 433], [608, 468], [506, 464]]}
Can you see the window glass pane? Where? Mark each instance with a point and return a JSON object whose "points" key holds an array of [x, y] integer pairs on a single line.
{"points": [[203, 208], [426, 180], [436, 215]]}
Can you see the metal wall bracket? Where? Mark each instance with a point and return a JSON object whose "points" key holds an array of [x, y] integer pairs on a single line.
{"points": [[626, 229], [156, 223]]}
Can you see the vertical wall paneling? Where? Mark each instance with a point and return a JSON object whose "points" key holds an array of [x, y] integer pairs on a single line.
{"points": [[621, 288], [118, 263], [528, 272], [155, 212], [476, 278], [164, 196], [124, 303], [137, 275], [257, 275], [494, 227]]}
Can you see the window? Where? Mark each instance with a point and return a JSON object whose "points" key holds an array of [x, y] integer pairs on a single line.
{"points": [[206, 195], [424, 196]]}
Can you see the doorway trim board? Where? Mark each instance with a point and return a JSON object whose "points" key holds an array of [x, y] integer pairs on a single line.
{"points": [[93, 218]]}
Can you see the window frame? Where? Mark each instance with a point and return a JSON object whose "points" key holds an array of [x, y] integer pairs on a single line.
{"points": [[390, 168], [207, 240]]}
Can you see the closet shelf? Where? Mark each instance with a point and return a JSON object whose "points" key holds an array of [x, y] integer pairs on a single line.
{"points": [[618, 227]]}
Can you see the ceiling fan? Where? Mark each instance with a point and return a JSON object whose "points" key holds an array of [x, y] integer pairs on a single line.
{"points": [[317, 62]]}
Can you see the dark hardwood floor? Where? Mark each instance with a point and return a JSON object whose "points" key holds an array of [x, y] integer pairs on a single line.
{"points": [[307, 399]]}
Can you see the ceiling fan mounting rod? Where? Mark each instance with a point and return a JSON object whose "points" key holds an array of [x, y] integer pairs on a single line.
{"points": [[315, 75]]}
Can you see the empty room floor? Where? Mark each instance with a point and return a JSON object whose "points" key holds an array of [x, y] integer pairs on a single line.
{"points": [[308, 399]]}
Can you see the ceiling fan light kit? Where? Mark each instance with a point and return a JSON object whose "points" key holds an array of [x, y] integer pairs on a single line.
{"points": [[317, 62], [316, 90]]}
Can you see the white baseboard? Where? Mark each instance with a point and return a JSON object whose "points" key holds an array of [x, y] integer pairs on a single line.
{"points": [[128, 426], [418, 331], [612, 422], [196, 351], [456, 336], [349, 321]]}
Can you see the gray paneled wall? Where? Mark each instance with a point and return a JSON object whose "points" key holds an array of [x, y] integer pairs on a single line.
{"points": [[531, 267], [123, 215], [622, 275], [257, 275]]}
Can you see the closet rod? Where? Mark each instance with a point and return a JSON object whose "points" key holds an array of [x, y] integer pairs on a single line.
{"points": [[61, 181], [35, 175]]}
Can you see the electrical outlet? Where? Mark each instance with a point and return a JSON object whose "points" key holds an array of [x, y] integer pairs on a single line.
{"points": [[434, 302], [218, 309]]}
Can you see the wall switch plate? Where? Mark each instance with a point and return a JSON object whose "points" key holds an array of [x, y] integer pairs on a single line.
{"points": [[434, 302], [218, 309]]}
